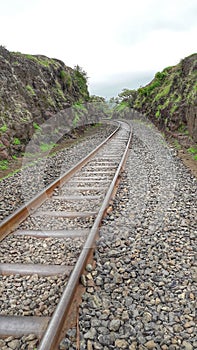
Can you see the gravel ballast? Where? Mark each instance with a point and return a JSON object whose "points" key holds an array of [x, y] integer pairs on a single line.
{"points": [[31, 295], [22, 186], [142, 292]]}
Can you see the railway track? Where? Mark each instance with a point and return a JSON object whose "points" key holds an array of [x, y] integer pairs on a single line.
{"points": [[53, 236]]}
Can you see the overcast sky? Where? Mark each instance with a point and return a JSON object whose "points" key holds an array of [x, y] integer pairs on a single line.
{"points": [[120, 44]]}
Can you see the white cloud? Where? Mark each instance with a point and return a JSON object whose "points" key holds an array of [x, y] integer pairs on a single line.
{"points": [[106, 38]]}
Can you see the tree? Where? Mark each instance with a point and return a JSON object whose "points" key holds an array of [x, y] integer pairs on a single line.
{"points": [[81, 71], [128, 96], [95, 98]]}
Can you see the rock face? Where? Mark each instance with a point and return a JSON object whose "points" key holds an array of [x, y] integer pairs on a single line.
{"points": [[32, 89], [170, 99]]}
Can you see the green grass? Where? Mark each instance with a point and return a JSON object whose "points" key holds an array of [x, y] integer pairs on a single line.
{"points": [[193, 151], [183, 129], [76, 119], [14, 157], [122, 106], [3, 164], [45, 147], [4, 128], [36, 126], [16, 141], [164, 92], [63, 75], [10, 174], [173, 109], [177, 144], [43, 62], [147, 90], [58, 90], [66, 78], [157, 114], [30, 90], [79, 106], [28, 154], [78, 110]]}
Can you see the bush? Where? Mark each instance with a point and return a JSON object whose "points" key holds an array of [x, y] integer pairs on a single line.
{"points": [[160, 76], [157, 81], [4, 128], [16, 141], [36, 126], [63, 74], [3, 164], [80, 76]]}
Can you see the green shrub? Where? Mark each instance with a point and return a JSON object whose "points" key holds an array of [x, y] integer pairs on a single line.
{"points": [[183, 129], [173, 109], [80, 76], [16, 141], [79, 106], [157, 114], [193, 150], [4, 128], [146, 91], [160, 76], [157, 81], [14, 157], [3, 164], [167, 69], [36, 126], [164, 92], [68, 81], [63, 75], [122, 106]]}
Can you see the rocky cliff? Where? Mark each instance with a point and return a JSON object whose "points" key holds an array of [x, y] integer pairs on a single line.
{"points": [[32, 89], [171, 98]]}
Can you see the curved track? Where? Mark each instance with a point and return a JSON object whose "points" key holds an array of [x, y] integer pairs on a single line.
{"points": [[69, 210]]}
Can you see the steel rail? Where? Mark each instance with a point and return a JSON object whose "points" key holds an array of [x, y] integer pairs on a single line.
{"points": [[51, 335], [10, 223]]}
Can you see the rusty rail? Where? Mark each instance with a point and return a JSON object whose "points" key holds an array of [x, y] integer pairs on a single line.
{"points": [[51, 336], [10, 223]]}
